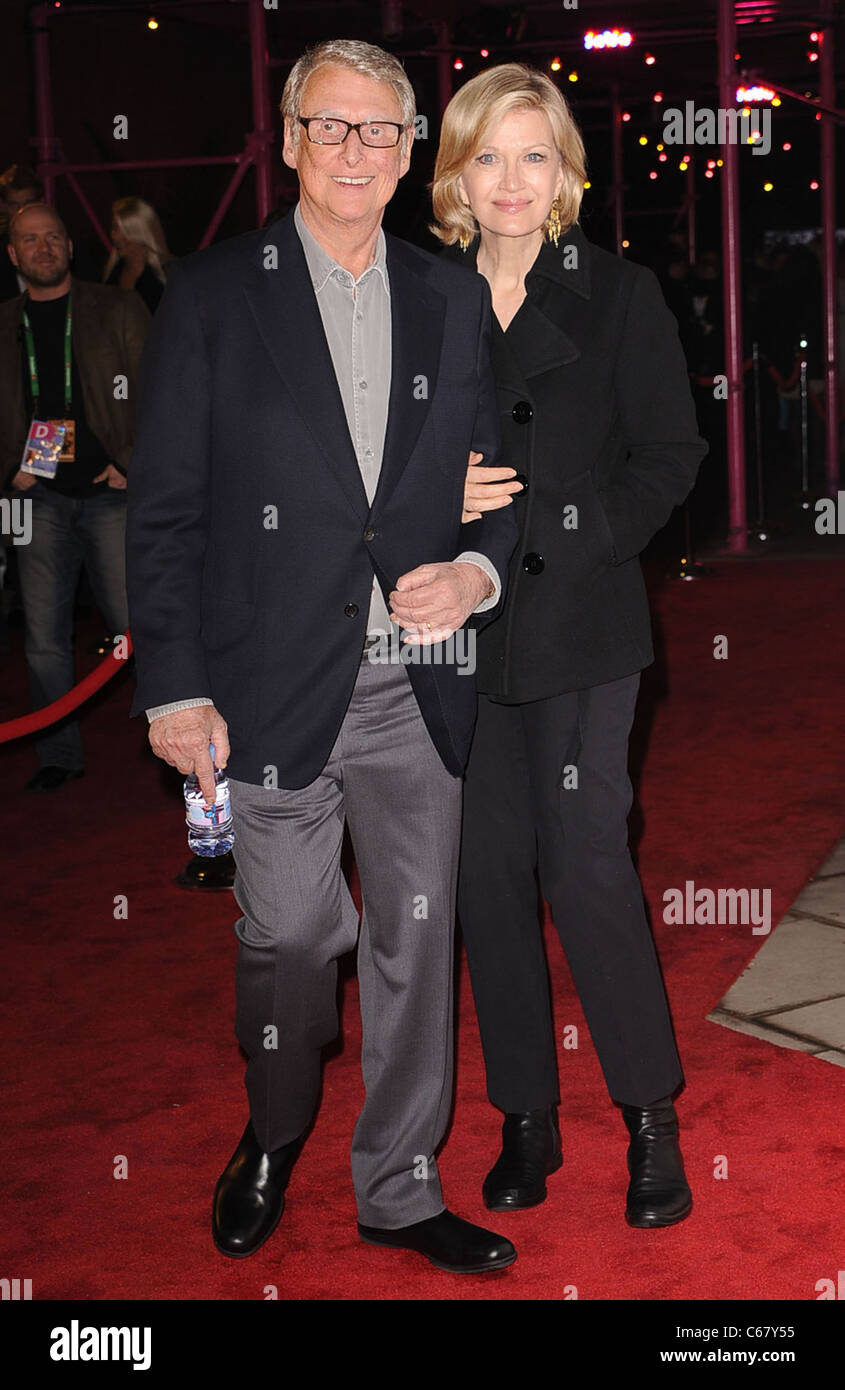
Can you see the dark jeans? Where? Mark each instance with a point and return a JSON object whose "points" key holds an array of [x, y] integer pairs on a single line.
{"points": [[520, 815], [67, 532]]}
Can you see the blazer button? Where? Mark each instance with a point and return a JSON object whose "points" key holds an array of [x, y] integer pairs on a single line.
{"points": [[520, 478], [522, 412], [351, 610], [533, 563], [369, 534]]}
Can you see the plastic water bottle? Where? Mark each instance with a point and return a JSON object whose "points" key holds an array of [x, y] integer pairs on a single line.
{"points": [[210, 828]]}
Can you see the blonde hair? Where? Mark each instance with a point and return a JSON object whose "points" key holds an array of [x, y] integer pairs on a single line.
{"points": [[138, 220], [480, 104], [362, 57]]}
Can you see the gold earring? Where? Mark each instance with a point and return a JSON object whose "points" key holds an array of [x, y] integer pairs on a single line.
{"points": [[554, 225], [464, 240]]}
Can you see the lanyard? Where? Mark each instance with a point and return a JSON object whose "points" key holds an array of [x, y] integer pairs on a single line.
{"points": [[33, 365]]}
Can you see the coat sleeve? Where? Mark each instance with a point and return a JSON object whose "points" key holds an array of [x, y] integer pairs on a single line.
{"points": [[660, 447], [168, 504], [495, 535]]}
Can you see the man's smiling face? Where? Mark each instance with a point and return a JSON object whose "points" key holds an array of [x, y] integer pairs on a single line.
{"points": [[349, 183]]}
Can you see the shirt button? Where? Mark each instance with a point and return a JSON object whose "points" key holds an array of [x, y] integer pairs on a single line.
{"points": [[351, 610], [368, 453], [533, 563], [359, 317], [363, 385], [522, 412], [369, 534]]}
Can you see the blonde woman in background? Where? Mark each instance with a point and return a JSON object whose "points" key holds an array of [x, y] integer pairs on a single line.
{"points": [[140, 253]]}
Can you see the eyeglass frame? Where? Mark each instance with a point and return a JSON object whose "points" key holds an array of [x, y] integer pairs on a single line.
{"points": [[305, 121]]}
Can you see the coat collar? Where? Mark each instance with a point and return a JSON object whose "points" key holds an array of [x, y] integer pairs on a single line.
{"points": [[538, 341], [282, 300], [567, 264]]}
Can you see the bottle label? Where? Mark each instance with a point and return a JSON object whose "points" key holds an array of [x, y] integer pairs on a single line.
{"points": [[202, 817]]}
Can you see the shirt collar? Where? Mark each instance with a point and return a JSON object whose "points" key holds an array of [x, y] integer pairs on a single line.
{"points": [[321, 266]]}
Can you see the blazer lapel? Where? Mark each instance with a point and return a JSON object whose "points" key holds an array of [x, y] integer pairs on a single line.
{"points": [[284, 306], [417, 316]]}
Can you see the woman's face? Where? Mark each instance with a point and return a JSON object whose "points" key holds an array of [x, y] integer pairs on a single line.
{"points": [[512, 180]]}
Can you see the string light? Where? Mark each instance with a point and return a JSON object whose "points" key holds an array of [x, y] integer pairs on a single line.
{"points": [[555, 65], [485, 52], [814, 184], [458, 64], [626, 243], [643, 139], [787, 145], [152, 23], [573, 76], [767, 187], [653, 174], [658, 96], [650, 60], [626, 115]]}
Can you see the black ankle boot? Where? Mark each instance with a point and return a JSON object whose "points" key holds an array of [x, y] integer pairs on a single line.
{"points": [[530, 1151], [250, 1195], [658, 1194]]}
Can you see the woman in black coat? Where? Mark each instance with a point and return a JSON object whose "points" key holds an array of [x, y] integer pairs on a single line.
{"points": [[599, 427]]}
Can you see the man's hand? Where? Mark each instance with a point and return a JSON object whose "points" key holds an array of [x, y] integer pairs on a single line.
{"points": [[182, 740], [485, 489], [114, 475], [23, 481], [433, 601]]}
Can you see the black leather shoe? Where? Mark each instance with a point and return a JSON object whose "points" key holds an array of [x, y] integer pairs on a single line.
{"points": [[658, 1194], [210, 872], [448, 1242], [250, 1195], [530, 1151], [49, 779]]}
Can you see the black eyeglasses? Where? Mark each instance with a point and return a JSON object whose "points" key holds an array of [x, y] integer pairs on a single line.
{"points": [[326, 130]]}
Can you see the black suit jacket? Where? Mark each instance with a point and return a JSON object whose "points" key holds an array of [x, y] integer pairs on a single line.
{"points": [[251, 546], [597, 415]]}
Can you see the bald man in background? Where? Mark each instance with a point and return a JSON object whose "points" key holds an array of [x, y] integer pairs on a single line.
{"points": [[79, 515]]}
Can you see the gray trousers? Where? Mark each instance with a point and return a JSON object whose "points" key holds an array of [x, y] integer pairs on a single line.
{"points": [[385, 778]]}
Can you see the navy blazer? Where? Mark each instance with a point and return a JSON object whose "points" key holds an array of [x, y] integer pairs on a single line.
{"points": [[251, 546]]}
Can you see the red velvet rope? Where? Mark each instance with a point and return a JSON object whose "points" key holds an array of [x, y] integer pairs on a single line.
{"points": [[71, 700]]}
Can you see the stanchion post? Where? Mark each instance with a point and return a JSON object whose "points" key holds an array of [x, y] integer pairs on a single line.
{"points": [[737, 540]]}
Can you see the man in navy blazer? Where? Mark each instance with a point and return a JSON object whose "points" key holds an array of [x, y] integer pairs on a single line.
{"points": [[310, 395]]}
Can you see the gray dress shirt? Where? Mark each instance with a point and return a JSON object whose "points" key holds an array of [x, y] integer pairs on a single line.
{"points": [[357, 324]]}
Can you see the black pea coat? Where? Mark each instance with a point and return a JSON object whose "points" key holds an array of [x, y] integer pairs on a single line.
{"points": [[598, 419]]}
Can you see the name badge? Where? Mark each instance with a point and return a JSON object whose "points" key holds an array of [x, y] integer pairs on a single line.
{"points": [[43, 449]]}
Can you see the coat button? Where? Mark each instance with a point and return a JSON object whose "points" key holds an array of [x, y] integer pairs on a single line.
{"points": [[522, 412], [369, 534], [351, 610], [533, 563], [520, 478]]}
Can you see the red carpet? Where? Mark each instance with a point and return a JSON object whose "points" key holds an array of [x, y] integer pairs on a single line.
{"points": [[118, 1032]]}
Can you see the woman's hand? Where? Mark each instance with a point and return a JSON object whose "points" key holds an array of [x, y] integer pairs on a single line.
{"points": [[486, 490]]}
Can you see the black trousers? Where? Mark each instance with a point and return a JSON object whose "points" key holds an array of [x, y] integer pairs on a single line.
{"points": [[547, 788]]}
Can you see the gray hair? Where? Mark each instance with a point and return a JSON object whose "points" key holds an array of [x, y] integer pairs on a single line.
{"points": [[361, 57]]}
